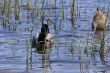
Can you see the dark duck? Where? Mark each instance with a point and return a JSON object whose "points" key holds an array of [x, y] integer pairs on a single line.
{"points": [[43, 40]]}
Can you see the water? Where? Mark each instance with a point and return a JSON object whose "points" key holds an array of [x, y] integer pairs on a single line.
{"points": [[73, 48]]}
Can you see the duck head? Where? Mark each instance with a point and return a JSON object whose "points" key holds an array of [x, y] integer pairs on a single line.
{"points": [[99, 11], [45, 28]]}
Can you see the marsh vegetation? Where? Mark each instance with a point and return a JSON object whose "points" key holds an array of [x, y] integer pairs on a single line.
{"points": [[77, 48]]}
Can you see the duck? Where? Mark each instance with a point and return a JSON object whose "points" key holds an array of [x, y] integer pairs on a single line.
{"points": [[43, 40], [99, 20]]}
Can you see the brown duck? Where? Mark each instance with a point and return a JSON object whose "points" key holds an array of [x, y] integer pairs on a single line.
{"points": [[99, 20]]}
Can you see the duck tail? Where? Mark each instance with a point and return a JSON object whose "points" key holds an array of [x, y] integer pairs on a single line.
{"points": [[41, 48]]}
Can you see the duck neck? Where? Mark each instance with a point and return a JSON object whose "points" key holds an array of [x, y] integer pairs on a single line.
{"points": [[45, 29]]}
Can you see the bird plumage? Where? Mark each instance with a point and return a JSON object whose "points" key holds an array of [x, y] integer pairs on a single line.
{"points": [[43, 40], [99, 20]]}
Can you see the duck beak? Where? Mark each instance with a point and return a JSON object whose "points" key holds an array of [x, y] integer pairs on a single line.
{"points": [[98, 9]]}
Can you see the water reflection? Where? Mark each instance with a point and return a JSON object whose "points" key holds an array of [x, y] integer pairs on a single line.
{"points": [[46, 65], [99, 50], [100, 44]]}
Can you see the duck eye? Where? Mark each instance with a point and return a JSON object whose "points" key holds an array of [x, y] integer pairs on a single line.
{"points": [[46, 40]]}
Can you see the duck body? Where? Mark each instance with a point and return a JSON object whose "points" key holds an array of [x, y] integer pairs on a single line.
{"points": [[99, 20], [43, 40]]}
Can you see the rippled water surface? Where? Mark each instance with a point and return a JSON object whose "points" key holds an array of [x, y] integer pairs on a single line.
{"points": [[75, 50]]}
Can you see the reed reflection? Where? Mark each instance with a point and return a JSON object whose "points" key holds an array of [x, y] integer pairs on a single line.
{"points": [[99, 39], [46, 64], [99, 49]]}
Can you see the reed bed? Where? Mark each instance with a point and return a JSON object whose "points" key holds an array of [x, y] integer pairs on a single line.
{"points": [[13, 14]]}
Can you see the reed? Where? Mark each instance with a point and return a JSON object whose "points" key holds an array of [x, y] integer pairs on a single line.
{"points": [[16, 10], [31, 30], [79, 52], [3, 11], [27, 55], [42, 12], [72, 50], [85, 49], [72, 9], [62, 10], [36, 7], [55, 18], [29, 5], [9, 10], [3, 8]]}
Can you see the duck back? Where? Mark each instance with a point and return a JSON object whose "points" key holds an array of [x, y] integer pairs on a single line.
{"points": [[41, 41], [41, 37]]}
